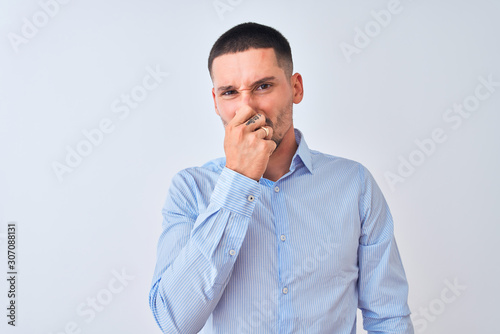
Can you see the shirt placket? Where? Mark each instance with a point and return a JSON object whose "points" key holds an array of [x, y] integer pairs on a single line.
{"points": [[282, 240]]}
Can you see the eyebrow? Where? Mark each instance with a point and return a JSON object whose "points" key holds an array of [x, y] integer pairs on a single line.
{"points": [[256, 83]]}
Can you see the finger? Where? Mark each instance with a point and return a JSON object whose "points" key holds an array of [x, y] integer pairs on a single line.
{"points": [[272, 146], [262, 132], [242, 115], [265, 132], [255, 122], [271, 132]]}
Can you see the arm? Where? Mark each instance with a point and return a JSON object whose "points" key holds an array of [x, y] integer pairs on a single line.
{"points": [[382, 285], [197, 250]]}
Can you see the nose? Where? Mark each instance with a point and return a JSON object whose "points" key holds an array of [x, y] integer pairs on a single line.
{"points": [[248, 99]]}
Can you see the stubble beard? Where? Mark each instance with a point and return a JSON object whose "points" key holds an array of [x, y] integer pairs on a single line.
{"points": [[278, 134], [278, 131]]}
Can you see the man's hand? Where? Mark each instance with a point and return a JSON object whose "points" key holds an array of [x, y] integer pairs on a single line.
{"points": [[247, 146]]}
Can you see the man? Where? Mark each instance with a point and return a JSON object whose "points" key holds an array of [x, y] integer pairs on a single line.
{"points": [[275, 237]]}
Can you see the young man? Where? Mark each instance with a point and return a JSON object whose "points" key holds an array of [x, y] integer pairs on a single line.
{"points": [[275, 237]]}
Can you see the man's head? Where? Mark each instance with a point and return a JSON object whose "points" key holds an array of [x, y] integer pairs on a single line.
{"points": [[251, 35], [251, 67]]}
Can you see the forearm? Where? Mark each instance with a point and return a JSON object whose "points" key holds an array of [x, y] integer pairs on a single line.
{"points": [[195, 260], [188, 290]]}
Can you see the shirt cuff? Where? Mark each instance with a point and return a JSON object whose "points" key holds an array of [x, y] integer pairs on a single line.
{"points": [[236, 192]]}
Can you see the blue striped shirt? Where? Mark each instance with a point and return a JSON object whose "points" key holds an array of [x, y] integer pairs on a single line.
{"points": [[298, 255]]}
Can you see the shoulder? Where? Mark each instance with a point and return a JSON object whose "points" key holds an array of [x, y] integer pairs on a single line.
{"points": [[341, 172], [323, 162], [191, 187], [210, 168], [199, 177]]}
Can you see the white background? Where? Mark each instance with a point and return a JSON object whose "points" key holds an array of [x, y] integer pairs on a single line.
{"points": [[371, 106]]}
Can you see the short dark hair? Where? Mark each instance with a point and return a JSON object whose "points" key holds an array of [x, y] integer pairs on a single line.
{"points": [[252, 35]]}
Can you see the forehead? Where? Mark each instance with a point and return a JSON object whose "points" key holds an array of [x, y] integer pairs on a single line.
{"points": [[246, 66]]}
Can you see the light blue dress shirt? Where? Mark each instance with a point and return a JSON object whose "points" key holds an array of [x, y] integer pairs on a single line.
{"points": [[298, 255]]}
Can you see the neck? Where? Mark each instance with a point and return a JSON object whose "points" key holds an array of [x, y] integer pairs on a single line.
{"points": [[280, 160]]}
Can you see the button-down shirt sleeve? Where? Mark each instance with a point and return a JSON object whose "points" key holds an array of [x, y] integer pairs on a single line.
{"points": [[198, 248], [383, 289]]}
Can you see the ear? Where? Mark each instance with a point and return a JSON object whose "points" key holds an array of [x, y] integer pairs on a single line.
{"points": [[215, 102], [298, 88]]}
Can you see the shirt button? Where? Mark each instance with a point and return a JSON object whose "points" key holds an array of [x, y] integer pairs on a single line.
{"points": [[276, 189], [282, 237], [250, 198], [285, 290], [232, 252]]}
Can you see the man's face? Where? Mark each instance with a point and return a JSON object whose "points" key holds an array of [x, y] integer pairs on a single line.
{"points": [[253, 78]]}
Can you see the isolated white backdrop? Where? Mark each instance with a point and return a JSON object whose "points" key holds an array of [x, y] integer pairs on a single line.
{"points": [[373, 89]]}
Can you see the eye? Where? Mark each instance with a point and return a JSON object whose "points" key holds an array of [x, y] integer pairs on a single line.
{"points": [[228, 93], [264, 86]]}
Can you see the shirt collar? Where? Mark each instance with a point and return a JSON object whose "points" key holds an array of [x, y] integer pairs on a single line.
{"points": [[302, 154]]}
